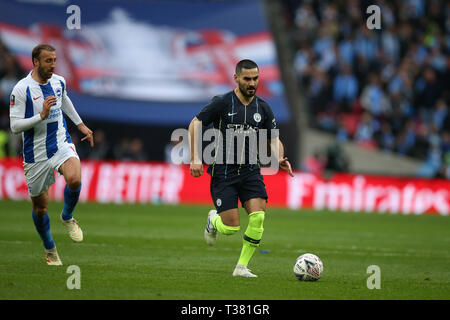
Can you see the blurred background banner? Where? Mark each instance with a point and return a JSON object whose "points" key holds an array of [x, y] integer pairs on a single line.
{"points": [[157, 182], [348, 99], [147, 61]]}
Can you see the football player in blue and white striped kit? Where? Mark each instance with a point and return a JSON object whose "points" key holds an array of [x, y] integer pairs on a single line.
{"points": [[37, 105]]}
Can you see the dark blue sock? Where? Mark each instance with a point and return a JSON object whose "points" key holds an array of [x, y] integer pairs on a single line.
{"points": [[70, 201], [43, 228]]}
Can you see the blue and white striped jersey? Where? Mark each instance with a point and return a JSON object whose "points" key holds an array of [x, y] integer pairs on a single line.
{"points": [[43, 140]]}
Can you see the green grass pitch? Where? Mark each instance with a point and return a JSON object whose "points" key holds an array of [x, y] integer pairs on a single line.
{"points": [[158, 252]]}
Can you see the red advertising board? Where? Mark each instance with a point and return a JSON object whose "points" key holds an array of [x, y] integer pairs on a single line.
{"points": [[149, 182]]}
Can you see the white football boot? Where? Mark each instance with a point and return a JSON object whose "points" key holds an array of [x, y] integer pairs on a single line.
{"points": [[210, 230], [75, 232], [52, 258], [243, 271]]}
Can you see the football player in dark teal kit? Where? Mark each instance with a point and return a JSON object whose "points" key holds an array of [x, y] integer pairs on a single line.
{"points": [[233, 173]]}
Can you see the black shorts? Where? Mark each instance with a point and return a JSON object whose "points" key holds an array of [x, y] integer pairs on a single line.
{"points": [[225, 192]]}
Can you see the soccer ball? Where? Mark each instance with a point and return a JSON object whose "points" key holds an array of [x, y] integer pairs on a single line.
{"points": [[308, 267]]}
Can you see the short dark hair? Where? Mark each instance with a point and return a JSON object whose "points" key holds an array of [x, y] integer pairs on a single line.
{"points": [[245, 64], [37, 50]]}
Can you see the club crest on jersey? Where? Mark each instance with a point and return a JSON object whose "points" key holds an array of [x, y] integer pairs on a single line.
{"points": [[58, 92], [12, 100], [257, 117]]}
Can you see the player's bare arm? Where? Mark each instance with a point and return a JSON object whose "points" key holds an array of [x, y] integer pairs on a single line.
{"points": [[87, 132], [283, 162], [196, 164]]}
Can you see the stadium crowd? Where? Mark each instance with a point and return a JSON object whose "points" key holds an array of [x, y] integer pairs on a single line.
{"points": [[10, 73], [385, 89]]}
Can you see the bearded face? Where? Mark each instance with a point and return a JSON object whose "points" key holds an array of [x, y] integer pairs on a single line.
{"points": [[45, 65], [247, 82]]}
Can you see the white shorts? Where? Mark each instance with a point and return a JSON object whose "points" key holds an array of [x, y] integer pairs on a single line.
{"points": [[40, 176]]}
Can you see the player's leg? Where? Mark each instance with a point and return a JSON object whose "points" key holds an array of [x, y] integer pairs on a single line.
{"points": [[255, 208], [42, 224], [227, 222], [41, 219], [39, 177], [256, 213], [225, 219], [71, 170], [253, 196]]}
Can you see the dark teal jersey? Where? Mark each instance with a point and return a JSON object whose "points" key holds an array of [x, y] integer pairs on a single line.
{"points": [[237, 131]]}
